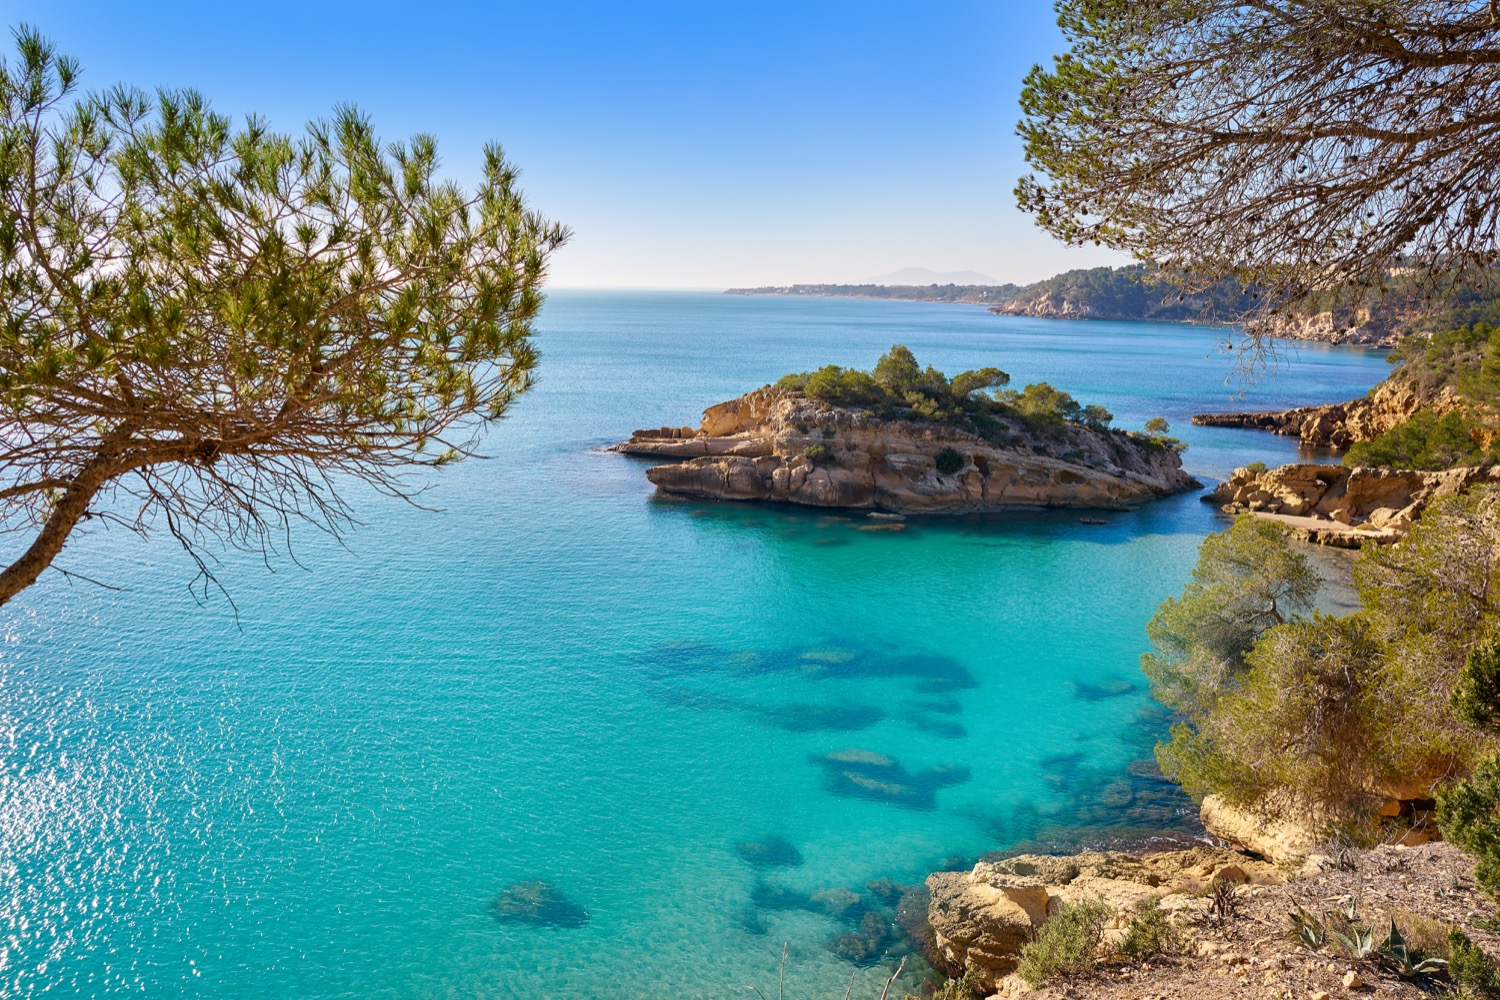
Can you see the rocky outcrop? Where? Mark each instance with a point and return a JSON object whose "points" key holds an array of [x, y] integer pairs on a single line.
{"points": [[981, 919], [1276, 828], [1342, 506], [1288, 831], [777, 445], [1339, 425]]}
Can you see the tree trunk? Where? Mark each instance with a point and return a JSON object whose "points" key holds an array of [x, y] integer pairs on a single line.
{"points": [[60, 523]]}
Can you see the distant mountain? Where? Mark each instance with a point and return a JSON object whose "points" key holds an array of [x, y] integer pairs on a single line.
{"points": [[986, 295], [922, 276]]}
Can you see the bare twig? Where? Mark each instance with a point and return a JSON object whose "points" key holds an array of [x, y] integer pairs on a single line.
{"points": [[891, 980]]}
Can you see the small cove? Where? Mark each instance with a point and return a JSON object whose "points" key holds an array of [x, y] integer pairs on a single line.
{"points": [[561, 677]]}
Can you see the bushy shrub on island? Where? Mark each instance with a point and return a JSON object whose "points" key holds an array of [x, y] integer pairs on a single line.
{"points": [[1423, 441], [900, 388], [949, 461]]}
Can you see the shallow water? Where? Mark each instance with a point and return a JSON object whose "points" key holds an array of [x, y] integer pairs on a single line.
{"points": [[561, 678]]}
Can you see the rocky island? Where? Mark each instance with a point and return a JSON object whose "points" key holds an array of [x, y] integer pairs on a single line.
{"points": [[904, 440]]}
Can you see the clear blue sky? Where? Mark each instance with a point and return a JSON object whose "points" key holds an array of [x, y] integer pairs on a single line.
{"points": [[700, 144]]}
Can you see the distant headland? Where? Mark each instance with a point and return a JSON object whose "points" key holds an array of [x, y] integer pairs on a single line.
{"points": [[1137, 293]]}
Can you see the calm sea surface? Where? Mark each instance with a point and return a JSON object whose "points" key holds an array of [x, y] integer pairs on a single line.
{"points": [[560, 677]]}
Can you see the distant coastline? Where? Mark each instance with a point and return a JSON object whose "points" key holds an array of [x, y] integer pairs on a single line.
{"points": [[1135, 293]]}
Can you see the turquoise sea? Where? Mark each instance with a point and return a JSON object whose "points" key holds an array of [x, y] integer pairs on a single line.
{"points": [[559, 677]]}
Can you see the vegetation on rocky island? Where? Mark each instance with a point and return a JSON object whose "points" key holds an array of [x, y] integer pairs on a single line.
{"points": [[1463, 362], [899, 388]]}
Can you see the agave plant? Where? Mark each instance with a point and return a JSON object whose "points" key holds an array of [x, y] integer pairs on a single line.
{"points": [[1358, 943], [1396, 956], [1307, 930]]}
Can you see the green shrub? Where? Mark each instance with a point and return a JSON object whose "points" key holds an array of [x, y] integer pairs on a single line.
{"points": [[1043, 404], [900, 388], [1067, 943], [1150, 933], [1422, 441], [964, 988], [1248, 579], [1327, 708], [1469, 967], [949, 461], [1469, 816], [1476, 696], [1256, 468], [844, 387], [817, 453]]}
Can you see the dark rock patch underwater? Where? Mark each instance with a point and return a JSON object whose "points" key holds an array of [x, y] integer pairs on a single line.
{"points": [[866, 774], [536, 902]]}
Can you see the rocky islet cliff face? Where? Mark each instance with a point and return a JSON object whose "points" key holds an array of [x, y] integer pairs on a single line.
{"points": [[778, 445]]}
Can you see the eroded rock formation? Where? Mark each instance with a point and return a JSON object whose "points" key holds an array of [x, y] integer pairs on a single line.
{"points": [[1339, 425], [775, 445], [1343, 506]]}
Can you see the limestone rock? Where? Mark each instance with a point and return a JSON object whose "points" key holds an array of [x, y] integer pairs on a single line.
{"points": [[1339, 425], [1275, 827], [1343, 506], [981, 919], [781, 446]]}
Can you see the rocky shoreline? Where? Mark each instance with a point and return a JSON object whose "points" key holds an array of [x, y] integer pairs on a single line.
{"points": [[1343, 506], [1339, 425], [781, 446]]}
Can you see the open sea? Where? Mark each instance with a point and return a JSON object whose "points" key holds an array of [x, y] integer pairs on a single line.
{"points": [[556, 676]]}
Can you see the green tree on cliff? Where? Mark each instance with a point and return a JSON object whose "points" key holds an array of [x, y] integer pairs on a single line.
{"points": [[209, 326], [1336, 708], [1247, 581], [1303, 150]]}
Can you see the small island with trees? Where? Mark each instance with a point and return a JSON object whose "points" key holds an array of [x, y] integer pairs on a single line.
{"points": [[905, 439]]}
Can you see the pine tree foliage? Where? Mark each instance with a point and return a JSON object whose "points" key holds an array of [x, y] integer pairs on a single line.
{"points": [[213, 328], [1305, 150]]}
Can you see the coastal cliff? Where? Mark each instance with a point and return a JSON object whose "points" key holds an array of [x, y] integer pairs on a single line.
{"points": [[1339, 425], [779, 445]]}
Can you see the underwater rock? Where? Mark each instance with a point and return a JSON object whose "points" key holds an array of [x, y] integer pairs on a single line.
{"points": [[834, 656], [1115, 687], [769, 852], [807, 718], [838, 902], [537, 902], [865, 774], [887, 890], [945, 728], [865, 945], [774, 897]]}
